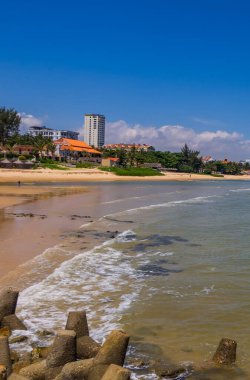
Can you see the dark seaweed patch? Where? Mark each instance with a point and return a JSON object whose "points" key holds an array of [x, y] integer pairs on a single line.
{"points": [[156, 270], [119, 221], [156, 241]]}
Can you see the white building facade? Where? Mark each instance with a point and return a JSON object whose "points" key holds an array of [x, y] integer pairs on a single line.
{"points": [[94, 130], [54, 134]]}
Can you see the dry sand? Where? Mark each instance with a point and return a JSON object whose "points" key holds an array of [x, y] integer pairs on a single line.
{"points": [[82, 175]]}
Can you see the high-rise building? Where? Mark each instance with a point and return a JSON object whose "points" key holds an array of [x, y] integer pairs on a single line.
{"points": [[94, 130]]}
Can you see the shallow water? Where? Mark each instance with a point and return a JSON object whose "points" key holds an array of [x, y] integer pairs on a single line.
{"points": [[176, 277]]}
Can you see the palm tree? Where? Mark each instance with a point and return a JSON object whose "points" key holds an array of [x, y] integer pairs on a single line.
{"points": [[40, 143]]}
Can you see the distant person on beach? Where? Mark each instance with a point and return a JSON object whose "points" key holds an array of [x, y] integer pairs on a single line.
{"points": [[19, 183]]}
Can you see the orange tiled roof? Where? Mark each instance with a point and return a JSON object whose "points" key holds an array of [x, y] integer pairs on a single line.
{"points": [[75, 145]]}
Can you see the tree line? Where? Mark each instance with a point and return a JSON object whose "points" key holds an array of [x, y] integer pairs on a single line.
{"points": [[10, 135], [187, 160]]}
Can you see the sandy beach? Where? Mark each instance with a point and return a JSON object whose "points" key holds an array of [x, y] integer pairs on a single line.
{"points": [[82, 175]]}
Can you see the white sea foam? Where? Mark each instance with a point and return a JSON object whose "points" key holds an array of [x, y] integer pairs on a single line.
{"points": [[239, 190], [126, 236], [195, 200], [82, 283]]}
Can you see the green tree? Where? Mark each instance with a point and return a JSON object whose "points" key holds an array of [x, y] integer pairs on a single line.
{"points": [[122, 157], [190, 158], [40, 143], [9, 124]]}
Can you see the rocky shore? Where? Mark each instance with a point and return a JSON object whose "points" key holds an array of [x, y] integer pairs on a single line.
{"points": [[74, 355]]}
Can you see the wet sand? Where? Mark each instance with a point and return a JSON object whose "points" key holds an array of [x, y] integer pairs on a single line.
{"points": [[31, 221]]}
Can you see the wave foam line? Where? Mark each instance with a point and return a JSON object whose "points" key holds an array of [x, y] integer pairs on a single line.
{"points": [[101, 281]]}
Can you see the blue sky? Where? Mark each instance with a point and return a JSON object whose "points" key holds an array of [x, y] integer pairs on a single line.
{"points": [[145, 64]]}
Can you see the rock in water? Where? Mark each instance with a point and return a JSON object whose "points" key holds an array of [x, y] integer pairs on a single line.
{"points": [[113, 351], [226, 352]]}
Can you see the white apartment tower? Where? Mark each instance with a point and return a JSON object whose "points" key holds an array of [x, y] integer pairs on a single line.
{"points": [[94, 130]]}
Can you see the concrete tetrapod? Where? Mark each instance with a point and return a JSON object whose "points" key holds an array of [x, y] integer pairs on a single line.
{"points": [[8, 301], [63, 349], [115, 372], [13, 322], [77, 370], [226, 352], [3, 372], [5, 359], [15, 376], [34, 371], [77, 321], [114, 349]]}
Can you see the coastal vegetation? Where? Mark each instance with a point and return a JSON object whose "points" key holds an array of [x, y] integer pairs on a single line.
{"points": [[131, 162], [132, 171]]}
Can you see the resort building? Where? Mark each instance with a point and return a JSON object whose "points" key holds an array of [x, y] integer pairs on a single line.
{"points": [[76, 150], [94, 130], [54, 134], [110, 161], [128, 147]]}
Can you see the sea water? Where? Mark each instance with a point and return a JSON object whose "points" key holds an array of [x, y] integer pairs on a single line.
{"points": [[175, 275]]}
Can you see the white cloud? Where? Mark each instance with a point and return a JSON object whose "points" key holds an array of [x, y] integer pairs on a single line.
{"points": [[27, 121], [219, 144]]}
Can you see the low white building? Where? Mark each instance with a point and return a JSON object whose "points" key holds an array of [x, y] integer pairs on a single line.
{"points": [[54, 134]]}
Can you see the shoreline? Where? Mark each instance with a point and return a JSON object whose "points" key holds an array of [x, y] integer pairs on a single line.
{"points": [[8, 176]]}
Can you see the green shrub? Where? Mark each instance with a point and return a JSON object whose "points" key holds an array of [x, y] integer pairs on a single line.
{"points": [[53, 166], [136, 172], [185, 169], [22, 158], [217, 175]]}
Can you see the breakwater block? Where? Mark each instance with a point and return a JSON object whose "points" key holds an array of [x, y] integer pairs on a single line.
{"points": [[97, 371], [34, 371], [8, 301], [114, 349], [77, 321], [115, 372], [12, 322], [5, 358], [226, 352], [63, 349], [77, 370], [86, 347], [3, 372], [16, 376]]}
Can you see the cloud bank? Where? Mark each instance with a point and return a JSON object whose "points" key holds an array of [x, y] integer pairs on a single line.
{"points": [[27, 121], [219, 144]]}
